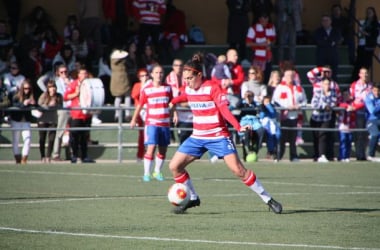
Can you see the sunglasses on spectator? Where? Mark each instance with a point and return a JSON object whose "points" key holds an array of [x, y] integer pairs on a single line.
{"points": [[14, 68], [64, 71]]}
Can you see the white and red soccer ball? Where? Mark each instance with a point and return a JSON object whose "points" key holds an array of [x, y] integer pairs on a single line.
{"points": [[178, 194]]}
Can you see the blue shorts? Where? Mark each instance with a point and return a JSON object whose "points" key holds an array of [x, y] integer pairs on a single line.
{"points": [[197, 147], [155, 135]]}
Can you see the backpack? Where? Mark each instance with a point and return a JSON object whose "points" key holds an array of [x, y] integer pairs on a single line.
{"points": [[196, 35]]}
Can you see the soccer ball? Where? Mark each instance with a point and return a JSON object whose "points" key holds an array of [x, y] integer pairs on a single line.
{"points": [[178, 194]]}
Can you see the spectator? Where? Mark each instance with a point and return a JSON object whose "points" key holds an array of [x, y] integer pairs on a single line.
{"points": [[51, 45], [220, 72], [252, 138], [149, 58], [327, 39], [143, 75], [346, 122], [32, 67], [79, 45], [237, 25], [237, 72], [71, 24], [149, 15], [368, 33], [13, 79], [274, 81], [4, 101], [269, 121], [78, 138], [20, 120], [255, 85], [323, 101], [359, 89], [346, 28], [291, 98], [66, 56], [289, 22], [48, 101], [120, 85], [156, 95], [132, 61], [38, 19], [372, 104], [260, 38], [6, 39]]}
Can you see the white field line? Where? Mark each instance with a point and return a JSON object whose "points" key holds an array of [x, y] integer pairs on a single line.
{"points": [[41, 201], [208, 179], [150, 238]]}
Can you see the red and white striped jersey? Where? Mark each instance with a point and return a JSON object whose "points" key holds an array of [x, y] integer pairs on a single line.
{"points": [[157, 101], [358, 91], [260, 34], [204, 102], [149, 11]]}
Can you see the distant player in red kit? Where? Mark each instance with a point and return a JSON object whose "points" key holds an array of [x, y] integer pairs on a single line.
{"points": [[210, 133]]}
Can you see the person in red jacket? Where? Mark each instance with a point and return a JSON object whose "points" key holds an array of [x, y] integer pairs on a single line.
{"points": [[79, 119]]}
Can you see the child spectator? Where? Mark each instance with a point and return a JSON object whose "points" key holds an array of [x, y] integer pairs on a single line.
{"points": [[346, 121], [268, 118], [221, 71]]}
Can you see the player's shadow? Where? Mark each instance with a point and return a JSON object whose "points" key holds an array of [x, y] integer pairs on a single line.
{"points": [[329, 210]]}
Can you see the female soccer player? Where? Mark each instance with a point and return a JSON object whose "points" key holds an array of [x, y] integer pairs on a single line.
{"points": [[210, 113]]}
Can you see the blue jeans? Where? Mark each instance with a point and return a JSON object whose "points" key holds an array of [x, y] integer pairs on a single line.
{"points": [[345, 140], [373, 129]]}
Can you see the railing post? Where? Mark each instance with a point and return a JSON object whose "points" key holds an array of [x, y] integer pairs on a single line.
{"points": [[120, 136]]}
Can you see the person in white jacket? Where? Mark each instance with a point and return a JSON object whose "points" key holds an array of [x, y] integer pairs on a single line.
{"points": [[290, 98]]}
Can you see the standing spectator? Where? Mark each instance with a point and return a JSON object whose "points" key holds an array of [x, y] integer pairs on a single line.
{"points": [[13, 79], [156, 95], [289, 22], [327, 39], [368, 33], [323, 102], [291, 98], [90, 13], [237, 25], [143, 77], [269, 120], [48, 101], [62, 82], [32, 67], [20, 120], [346, 122], [210, 133], [237, 72], [359, 89], [120, 85], [260, 38], [149, 15], [346, 28], [78, 138], [255, 85], [372, 104]]}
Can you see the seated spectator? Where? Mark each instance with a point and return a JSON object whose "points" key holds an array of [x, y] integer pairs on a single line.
{"points": [[66, 56], [51, 45], [221, 72], [13, 79], [149, 58], [372, 104], [6, 39], [79, 45], [274, 81], [254, 84], [71, 24]]}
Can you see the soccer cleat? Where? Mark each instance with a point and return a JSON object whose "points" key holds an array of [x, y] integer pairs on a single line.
{"points": [[275, 206], [182, 209], [158, 176], [146, 178]]}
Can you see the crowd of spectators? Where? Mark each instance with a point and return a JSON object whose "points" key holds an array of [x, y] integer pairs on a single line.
{"points": [[45, 67]]}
